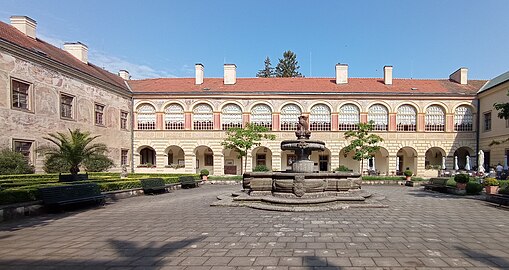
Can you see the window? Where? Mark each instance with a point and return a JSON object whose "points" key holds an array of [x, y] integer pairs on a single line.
{"points": [[290, 159], [203, 117], [123, 119], [319, 118], [463, 119], [170, 157], [349, 117], [174, 117], [66, 104], [231, 116], [209, 159], [146, 117], [406, 118], [435, 118], [260, 159], [99, 114], [261, 115], [487, 121], [379, 115], [23, 147], [123, 157], [290, 117], [20, 95]]}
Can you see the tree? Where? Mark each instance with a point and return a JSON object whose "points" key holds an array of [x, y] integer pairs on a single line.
{"points": [[363, 143], [243, 139], [267, 71], [503, 113], [288, 66], [12, 162], [73, 149]]}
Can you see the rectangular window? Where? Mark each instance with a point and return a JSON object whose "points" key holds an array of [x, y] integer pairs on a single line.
{"points": [[290, 159], [487, 121], [99, 114], [260, 159], [170, 157], [123, 157], [23, 147], [209, 160], [123, 119], [66, 104], [20, 95]]}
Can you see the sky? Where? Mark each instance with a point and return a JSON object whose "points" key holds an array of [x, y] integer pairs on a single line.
{"points": [[420, 39]]}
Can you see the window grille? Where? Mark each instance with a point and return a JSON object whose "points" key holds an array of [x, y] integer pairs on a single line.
{"points": [[66, 106], [174, 117], [435, 118], [261, 115], [20, 95], [406, 118], [349, 117], [463, 119], [203, 117], [231, 116], [319, 118], [379, 115], [290, 117], [146, 117]]}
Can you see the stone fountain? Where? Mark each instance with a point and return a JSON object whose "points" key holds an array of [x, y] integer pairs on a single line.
{"points": [[301, 188]]}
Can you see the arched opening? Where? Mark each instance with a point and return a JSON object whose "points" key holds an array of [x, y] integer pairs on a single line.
{"points": [[231, 116], [434, 158], [204, 159], [379, 163], [349, 117], [175, 157], [380, 116], [290, 117], [406, 118], [147, 157], [203, 117], [232, 163], [462, 158], [146, 117], [262, 156], [347, 162], [261, 115], [406, 159], [174, 117], [320, 118]]}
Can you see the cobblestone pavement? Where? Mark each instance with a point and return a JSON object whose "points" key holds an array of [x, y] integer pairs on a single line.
{"points": [[179, 230]]}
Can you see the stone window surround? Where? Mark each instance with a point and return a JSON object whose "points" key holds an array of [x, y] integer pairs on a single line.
{"points": [[99, 113], [126, 119], [73, 106], [31, 151], [124, 159], [30, 101]]}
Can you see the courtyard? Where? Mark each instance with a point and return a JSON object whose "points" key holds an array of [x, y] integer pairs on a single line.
{"points": [[179, 230]]}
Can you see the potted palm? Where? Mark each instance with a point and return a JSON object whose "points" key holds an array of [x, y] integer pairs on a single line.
{"points": [[204, 174], [491, 185], [461, 180]]}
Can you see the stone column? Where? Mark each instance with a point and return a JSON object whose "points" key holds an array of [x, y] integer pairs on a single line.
{"points": [[190, 163], [363, 117], [392, 122], [245, 118], [275, 122], [217, 120], [449, 122], [420, 170], [334, 159], [218, 164], [334, 121], [187, 121], [249, 167], [276, 161], [159, 120], [420, 122]]}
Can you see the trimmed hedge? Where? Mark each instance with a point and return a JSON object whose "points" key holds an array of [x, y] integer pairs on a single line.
{"points": [[390, 178]]}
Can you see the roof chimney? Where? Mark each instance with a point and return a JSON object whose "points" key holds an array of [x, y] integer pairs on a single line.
{"points": [[230, 73], [124, 74], [387, 74], [460, 76], [341, 73], [198, 68], [78, 50], [24, 24]]}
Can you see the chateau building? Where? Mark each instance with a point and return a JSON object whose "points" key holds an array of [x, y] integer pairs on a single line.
{"points": [[45, 89], [177, 125]]}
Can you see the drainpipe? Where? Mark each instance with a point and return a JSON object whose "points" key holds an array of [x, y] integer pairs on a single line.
{"points": [[132, 134], [478, 128]]}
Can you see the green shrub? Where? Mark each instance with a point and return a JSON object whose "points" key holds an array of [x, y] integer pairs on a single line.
{"points": [[18, 195], [204, 172], [119, 185], [54, 164], [473, 188], [342, 168], [260, 168], [408, 173], [461, 178], [224, 177], [98, 163], [12, 162]]}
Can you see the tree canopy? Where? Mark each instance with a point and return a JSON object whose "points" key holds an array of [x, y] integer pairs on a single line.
{"points": [[363, 143], [288, 66], [267, 71], [243, 139]]}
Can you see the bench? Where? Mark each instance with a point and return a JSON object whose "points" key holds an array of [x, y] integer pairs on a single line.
{"points": [[71, 194], [437, 184], [153, 185], [500, 199], [72, 177], [187, 182]]}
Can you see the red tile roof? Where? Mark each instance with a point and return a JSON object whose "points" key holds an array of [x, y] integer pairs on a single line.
{"points": [[306, 85], [12, 35]]}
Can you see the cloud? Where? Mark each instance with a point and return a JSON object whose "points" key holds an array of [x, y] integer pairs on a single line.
{"points": [[113, 63]]}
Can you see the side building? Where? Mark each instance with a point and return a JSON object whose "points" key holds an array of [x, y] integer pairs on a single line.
{"points": [[494, 131], [180, 122], [45, 89]]}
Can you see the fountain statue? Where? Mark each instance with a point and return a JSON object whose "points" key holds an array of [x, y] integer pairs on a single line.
{"points": [[301, 188]]}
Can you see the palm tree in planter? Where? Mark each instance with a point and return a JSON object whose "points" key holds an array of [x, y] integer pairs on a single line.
{"points": [[74, 149]]}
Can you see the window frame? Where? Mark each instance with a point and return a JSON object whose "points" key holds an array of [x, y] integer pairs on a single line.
{"points": [[208, 159], [29, 95], [103, 120], [487, 121], [122, 163], [72, 105], [30, 156], [124, 126]]}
